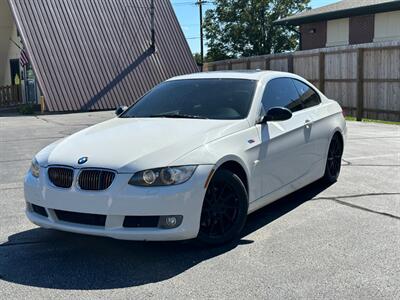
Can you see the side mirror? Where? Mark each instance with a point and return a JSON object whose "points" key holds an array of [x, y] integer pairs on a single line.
{"points": [[120, 110], [277, 114]]}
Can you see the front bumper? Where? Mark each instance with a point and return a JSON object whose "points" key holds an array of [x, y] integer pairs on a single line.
{"points": [[119, 201]]}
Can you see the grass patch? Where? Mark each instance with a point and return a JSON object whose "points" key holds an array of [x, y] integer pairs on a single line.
{"points": [[374, 121], [26, 109]]}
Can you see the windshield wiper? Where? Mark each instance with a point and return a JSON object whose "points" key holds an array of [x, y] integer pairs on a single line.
{"points": [[177, 116]]}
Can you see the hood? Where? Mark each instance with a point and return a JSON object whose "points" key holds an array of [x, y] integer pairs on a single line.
{"points": [[129, 144]]}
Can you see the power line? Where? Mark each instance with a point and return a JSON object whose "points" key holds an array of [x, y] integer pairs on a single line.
{"points": [[187, 3], [190, 25], [183, 3], [200, 4]]}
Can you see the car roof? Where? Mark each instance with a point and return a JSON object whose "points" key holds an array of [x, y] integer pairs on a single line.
{"points": [[237, 74]]}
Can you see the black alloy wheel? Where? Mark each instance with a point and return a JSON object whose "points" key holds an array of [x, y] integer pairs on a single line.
{"points": [[224, 210], [334, 159]]}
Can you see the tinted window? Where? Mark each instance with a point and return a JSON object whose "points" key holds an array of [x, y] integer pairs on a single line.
{"points": [[281, 92], [204, 98], [307, 95]]}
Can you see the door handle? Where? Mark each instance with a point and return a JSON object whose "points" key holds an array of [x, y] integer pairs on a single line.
{"points": [[308, 124]]}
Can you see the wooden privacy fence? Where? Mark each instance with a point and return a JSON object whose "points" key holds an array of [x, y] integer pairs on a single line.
{"points": [[10, 96], [364, 79]]}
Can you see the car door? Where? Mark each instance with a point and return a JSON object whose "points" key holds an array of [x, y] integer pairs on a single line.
{"points": [[317, 140], [283, 156]]}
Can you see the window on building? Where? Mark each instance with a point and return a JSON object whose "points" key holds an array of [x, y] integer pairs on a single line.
{"points": [[387, 26], [15, 72], [337, 33]]}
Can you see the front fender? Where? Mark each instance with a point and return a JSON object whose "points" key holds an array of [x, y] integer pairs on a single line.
{"points": [[241, 147]]}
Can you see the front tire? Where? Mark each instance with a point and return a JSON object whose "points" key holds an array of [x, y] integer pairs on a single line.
{"points": [[224, 210], [334, 159]]}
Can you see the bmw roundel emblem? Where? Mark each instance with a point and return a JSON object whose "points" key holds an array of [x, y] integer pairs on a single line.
{"points": [[82, 160]]}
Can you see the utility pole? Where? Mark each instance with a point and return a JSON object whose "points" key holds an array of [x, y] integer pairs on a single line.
{"points": [[153, 32], [200, 4]]}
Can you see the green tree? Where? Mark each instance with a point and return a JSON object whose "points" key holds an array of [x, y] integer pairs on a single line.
{"points": [[197, 58], [235, 28]]}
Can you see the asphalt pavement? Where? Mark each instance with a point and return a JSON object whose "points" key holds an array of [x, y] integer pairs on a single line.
{"points": [[322, 242]]}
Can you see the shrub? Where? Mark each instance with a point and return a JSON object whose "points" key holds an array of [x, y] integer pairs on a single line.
{"points": [[26, 109]]}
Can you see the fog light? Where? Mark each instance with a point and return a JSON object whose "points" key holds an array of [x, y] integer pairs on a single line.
{"points": [[169, 222]]}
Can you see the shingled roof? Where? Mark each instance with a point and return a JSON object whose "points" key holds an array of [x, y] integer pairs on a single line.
{"points": [[96, 54], [341, 9]]}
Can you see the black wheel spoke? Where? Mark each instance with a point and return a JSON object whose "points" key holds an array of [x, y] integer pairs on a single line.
{"points": [[227, 216], [221, 225], [221, 192], [334, 157], [219, 210]]}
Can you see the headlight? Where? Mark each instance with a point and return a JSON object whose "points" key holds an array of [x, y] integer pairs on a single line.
{"points": [[163, 176], [35, 168]]}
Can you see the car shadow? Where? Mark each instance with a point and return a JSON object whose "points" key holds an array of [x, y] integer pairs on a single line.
{"points": [[58, 260]]}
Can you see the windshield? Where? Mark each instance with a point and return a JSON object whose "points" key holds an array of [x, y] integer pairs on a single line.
{"points": [[222, 99]]}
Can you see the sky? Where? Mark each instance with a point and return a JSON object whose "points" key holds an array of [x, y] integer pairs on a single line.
{"points": [[188, 16]]}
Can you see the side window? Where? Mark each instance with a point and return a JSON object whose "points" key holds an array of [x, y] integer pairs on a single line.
{"points": [[281, 92], [308, 96]]}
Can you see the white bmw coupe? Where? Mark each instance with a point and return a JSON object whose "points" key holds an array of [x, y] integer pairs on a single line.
{"points": [[191, 159]]}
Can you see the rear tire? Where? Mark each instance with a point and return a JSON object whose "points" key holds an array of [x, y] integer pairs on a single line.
{"points": [[224, 211], [334, 159]]}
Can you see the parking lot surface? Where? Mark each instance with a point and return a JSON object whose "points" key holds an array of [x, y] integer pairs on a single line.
{"points": [[336, 242]]}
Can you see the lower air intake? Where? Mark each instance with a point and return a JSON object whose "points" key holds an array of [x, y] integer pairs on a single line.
{"points": [[81, 218]]}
